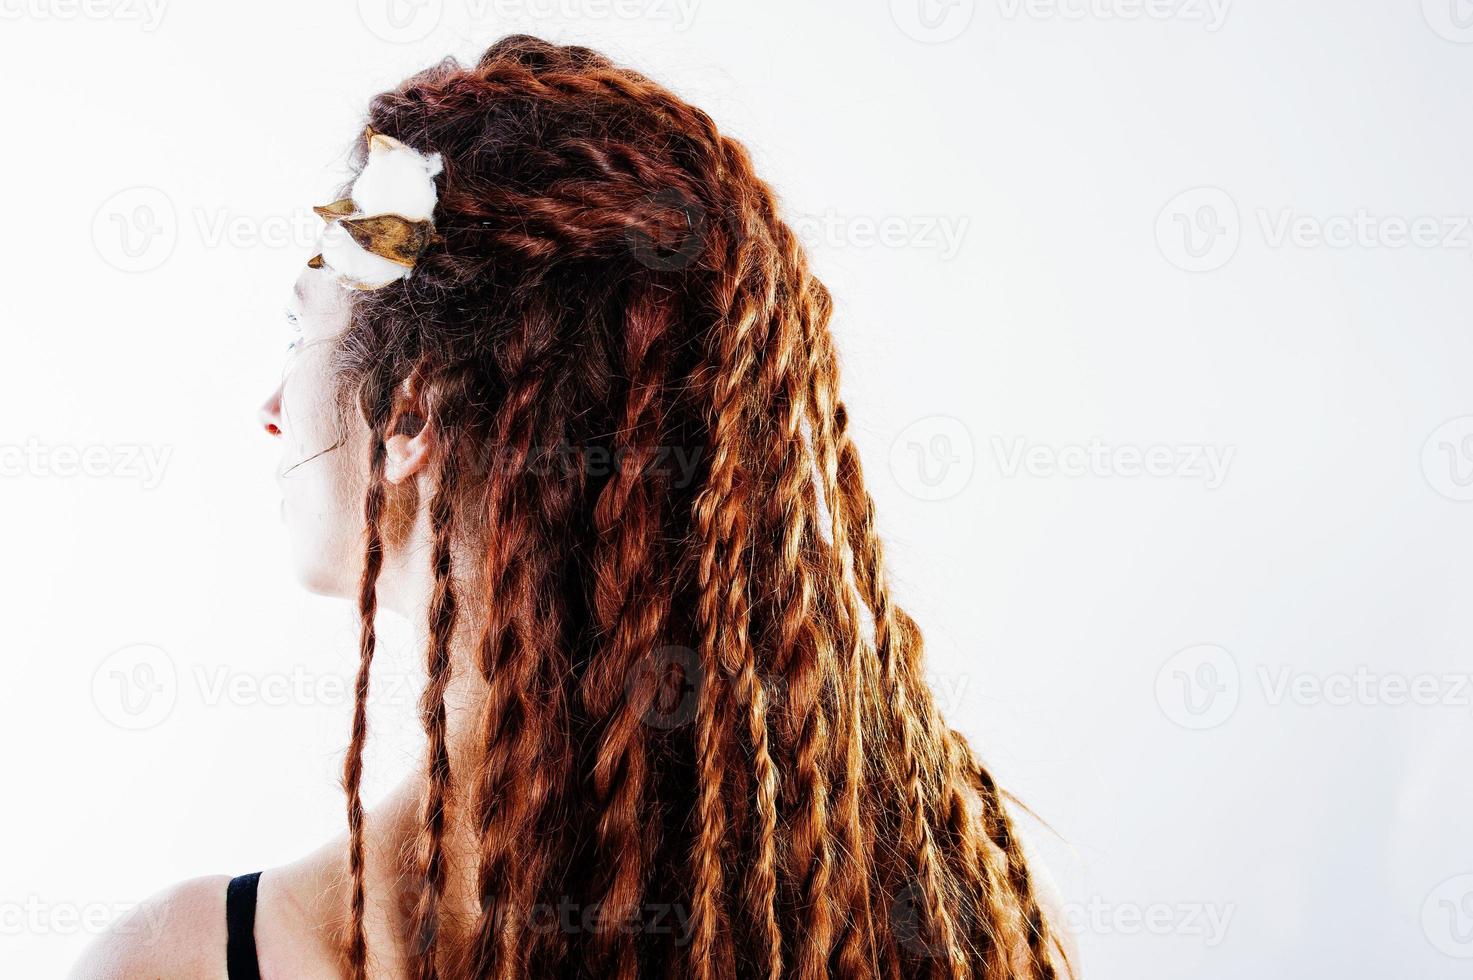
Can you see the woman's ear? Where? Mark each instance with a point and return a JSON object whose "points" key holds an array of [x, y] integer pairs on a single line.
{"points": [[411, 440]]}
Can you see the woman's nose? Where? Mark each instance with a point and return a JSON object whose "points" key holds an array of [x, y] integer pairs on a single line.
{"points": [[269, 414]]}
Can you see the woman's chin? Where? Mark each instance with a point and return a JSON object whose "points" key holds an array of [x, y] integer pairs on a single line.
{"points": [[320, 582], [319, 576]]}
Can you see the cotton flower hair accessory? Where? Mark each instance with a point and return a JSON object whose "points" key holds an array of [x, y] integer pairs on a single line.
{"points": [[376, 234]]}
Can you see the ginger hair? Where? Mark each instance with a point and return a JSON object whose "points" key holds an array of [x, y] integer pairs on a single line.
{"points": [[701, 695]]}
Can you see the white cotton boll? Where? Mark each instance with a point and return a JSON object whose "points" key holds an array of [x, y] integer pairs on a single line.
{"points": [[353, 262], [397, 179]]}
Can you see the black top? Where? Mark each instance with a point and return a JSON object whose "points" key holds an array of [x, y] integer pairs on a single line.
{"points": [[240, 927]]}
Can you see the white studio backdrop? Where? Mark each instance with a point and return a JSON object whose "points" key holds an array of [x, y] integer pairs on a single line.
{"points": [[1155, 318]]}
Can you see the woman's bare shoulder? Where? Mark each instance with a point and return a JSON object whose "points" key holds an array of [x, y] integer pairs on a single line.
{"points": [[179, 932]]}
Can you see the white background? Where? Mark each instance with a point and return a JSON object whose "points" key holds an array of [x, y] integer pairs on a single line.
{"points": [[1059, 234]]}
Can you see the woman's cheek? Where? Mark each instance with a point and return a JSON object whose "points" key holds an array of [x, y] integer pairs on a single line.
{"points": [[323, 483]]}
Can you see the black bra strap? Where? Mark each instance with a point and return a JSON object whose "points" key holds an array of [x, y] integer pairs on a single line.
{"points": [[240, 925]]}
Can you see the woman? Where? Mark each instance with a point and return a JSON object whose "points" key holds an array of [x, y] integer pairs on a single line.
{"points": [[565, 392]]}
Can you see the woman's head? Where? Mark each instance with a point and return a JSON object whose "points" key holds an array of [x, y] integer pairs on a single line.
{"points": [[579, 230], [606, 402]]}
